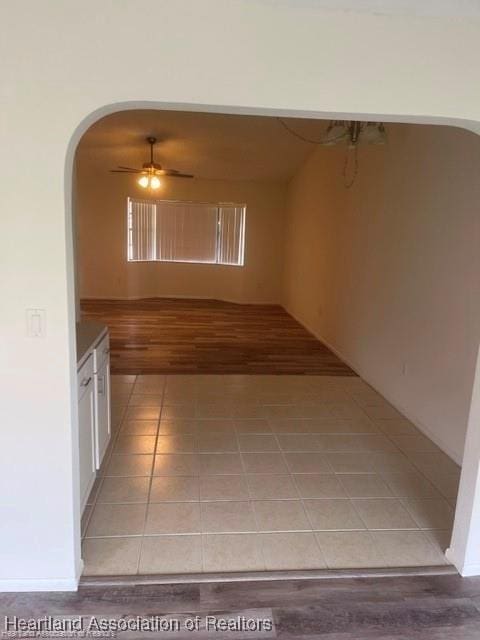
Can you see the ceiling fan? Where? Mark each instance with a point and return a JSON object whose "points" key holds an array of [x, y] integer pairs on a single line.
{"points": [[151, 172]]}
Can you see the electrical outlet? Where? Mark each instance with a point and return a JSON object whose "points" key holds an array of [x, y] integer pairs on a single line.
{"points": [[404, 369]]}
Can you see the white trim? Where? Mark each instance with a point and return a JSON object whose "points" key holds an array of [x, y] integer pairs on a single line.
{"points": [[464, 550], [469, 570], [466, 570], [44, 584], [358, 370], [33, 584]]}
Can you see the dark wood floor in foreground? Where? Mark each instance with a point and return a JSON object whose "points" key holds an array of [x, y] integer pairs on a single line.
{"points": [[209, 336], [443, 607]]}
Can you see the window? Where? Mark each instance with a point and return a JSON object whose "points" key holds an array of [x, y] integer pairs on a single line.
{"points": [[167, 231]]}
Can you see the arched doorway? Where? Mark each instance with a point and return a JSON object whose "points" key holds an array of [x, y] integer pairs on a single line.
{"points": [[462, 500]]}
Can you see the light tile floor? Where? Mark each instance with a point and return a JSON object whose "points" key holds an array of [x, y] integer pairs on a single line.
{"points": [[231, 473]]}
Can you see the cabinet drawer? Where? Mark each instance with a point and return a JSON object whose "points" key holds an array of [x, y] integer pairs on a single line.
{"points": [[85, 377], [101, 352]]}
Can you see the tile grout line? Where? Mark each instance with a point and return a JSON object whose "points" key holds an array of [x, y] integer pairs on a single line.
{"points": [[202, 539], [260, 533], [349, 393], [147, 509], [294, 482], [258, 543], [352, 503], [202, 551], [404, 454]]}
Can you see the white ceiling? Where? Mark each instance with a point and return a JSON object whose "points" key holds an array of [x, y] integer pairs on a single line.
{"points": [[211, 146]]}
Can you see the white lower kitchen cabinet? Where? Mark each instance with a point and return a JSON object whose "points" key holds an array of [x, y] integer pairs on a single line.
{"points": [[102, 399], [93, 354], [86, 429]]}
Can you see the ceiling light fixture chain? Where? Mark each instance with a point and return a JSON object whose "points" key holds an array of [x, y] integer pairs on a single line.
{"points": [[298, 135], [349, 182]]}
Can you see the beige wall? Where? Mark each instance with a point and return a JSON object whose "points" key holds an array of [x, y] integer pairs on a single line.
{"points": [[103, 270], [387, 273]]}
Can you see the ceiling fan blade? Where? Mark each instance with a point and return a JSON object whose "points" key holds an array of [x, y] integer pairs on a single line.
{"points": [[125, 171], [176, 174], [129, 168]]}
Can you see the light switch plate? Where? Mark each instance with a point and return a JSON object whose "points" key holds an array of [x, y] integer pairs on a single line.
{"points": [[36, 323]]}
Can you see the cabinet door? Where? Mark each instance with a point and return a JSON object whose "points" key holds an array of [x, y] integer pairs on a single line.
{"points": [[103, 422], [86, 426]]}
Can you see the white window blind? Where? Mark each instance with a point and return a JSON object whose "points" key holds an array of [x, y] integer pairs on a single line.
{"points": [[186, 232], [141, 231], [231, 235], [166, 231]]}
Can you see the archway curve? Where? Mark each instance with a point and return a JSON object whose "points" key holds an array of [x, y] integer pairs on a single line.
{"points": [[461, 551]]}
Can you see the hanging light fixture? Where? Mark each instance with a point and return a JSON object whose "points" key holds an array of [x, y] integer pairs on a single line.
{"points": [[336, 132], [374, 133], [353, 133], [349, 132]]}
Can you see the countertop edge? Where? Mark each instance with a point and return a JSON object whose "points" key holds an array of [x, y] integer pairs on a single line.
{"points": [[86, 345]]}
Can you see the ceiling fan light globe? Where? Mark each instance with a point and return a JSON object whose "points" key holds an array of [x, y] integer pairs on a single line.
{"points": [[143, 181], [336, 133], [374, 133], [155, 182]]}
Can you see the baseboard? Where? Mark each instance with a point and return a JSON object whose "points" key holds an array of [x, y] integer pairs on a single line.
{"points": [[470, 570], [35, 584], [176, 297], [47, 584], [358, 370], [465, 570]]}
